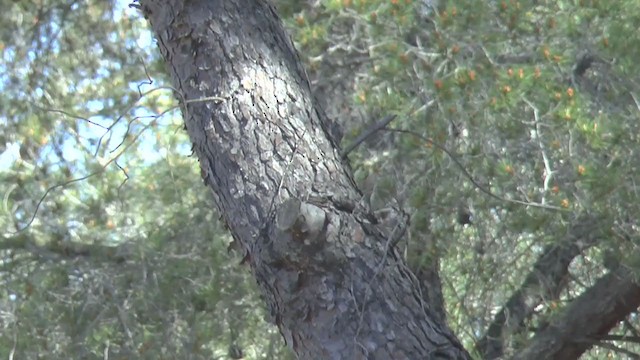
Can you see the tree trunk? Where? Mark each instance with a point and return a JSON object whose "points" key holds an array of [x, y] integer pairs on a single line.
{"points": [[332, 280]]}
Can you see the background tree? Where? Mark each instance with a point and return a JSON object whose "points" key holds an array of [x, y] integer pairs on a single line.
{"points": [[95, 171], [465, 76]]}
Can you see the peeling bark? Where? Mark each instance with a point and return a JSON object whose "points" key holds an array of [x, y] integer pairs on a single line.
{"points": [[333, 283]]}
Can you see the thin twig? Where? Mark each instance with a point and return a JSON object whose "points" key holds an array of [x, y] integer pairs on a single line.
{"points": [[470, 177], [366, 134], [547, 165], [64, 184]]}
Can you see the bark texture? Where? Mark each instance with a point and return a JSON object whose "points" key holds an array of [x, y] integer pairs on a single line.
{"points": [[333, 283]]}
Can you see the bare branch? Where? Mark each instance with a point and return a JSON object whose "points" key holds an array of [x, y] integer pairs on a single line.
{"points": [[367, 133], [590, 316], [544, 282]]}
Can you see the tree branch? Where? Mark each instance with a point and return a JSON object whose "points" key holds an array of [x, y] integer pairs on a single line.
{"points": [[367, 133], [590, 316], [545, 281]]}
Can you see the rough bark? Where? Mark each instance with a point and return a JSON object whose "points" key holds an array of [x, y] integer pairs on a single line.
{"points": [[587, 319], [545, 281], [333, 284]]}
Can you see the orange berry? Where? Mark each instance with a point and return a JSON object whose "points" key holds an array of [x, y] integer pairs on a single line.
{"points": [[509, 170], [581, 170], [570, 92]]}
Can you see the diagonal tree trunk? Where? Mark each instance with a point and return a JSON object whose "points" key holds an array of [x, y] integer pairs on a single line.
{"points": [[332, 280]]}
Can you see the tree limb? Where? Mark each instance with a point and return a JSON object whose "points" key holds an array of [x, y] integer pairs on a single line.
{"points": [[544, 282], [590, 316], [367, 133]]}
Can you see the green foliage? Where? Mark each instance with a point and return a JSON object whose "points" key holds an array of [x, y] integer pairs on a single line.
{"points": [[494, 83], [125, 255], [110, 245]]}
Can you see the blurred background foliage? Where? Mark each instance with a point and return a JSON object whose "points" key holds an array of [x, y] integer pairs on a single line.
{"points": [[517, 129]]}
